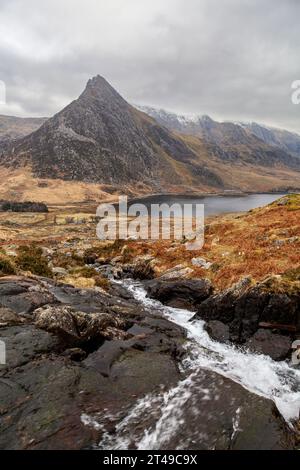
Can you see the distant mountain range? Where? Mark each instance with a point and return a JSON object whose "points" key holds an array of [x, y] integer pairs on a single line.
{"points": [[14, 127], [228, 134], [100, 138]]}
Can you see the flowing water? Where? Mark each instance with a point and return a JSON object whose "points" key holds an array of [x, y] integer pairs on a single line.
{"points": [[258, 374]]}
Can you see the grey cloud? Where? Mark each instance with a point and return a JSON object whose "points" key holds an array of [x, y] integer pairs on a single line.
{"points": [[231, 59]]}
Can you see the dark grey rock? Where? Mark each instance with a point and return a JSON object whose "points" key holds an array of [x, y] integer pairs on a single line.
{"points": [[276, 346], [24, 343], [181, 293], [244, 306], [218, 331]]}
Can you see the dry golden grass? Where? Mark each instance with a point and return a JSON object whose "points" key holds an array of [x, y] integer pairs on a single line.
{"points": [[258, 243]]}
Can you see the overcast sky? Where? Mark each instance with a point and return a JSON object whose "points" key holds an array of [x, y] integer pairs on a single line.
{"points": [[231, 59]]}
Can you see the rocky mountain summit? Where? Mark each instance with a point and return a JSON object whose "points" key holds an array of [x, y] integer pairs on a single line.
{"points": [[100, 138]]}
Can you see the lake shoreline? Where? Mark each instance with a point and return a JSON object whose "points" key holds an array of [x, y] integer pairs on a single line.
{"points": [[202, 195]]}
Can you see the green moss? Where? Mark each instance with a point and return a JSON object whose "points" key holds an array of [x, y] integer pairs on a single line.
{"points": [[290, 201]]}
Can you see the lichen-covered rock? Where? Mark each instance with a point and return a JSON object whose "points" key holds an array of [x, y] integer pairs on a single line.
{"points": [[177, 272], [80, 326], [9, 318]]}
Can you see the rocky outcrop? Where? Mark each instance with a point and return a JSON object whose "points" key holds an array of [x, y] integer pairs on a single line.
{"points": [[78, 326], [84, 352], [218, 331], [77, 365], [23, 295], [185, 293], [245, 307], [264, 316]]}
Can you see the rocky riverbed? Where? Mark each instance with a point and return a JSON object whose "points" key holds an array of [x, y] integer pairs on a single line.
{"points": [[93, 369]]}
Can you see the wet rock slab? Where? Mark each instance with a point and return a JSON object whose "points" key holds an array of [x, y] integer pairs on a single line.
{"points": [[221, 414], [49, 382], [274, 345], [205, 411]]}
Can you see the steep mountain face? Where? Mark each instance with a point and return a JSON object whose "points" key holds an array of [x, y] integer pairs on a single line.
{"points": [[101, 138], [288, 141], [234, 141], [13, 127]]}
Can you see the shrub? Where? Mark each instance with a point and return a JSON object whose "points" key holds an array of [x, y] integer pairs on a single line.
{"points": [[102, 282], [30, 258], [292, 274], [63, 261], [87, 272], [6, 266], [109, 251]]}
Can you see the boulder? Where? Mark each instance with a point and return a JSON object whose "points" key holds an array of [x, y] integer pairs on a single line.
{"points": [[79, 326], [218, 331], [265, 342], [221, 305], [143, 268], [177, 272], [201, 263], [245, 305], [9, 318], [184, 293]]}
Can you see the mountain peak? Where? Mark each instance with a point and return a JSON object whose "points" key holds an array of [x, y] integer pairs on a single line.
{"points": [[97, 82], [99, 88]]}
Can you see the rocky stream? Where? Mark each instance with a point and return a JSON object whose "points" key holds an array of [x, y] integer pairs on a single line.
{"points": [[143, 367]]}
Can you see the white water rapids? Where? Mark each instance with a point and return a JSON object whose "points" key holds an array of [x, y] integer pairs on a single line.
{"points": [[259, 374]]}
